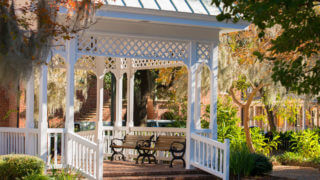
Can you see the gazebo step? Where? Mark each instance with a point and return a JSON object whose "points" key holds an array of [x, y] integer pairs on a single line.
{"points": [[130, 170], [167, 177]]}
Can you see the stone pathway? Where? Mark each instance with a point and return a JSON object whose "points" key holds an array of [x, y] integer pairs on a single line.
{"points": [[296, 172]]}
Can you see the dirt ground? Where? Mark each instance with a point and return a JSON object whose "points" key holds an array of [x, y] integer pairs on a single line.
{"points": [[296, 172]]}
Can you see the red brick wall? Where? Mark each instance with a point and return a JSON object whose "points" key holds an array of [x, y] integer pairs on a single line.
{"points": [[4, 107]]}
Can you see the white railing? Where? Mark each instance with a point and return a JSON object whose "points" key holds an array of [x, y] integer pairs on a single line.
{"points": [[56, 149], [90, 135], [84, 155], [18, 141], [210, 156]]}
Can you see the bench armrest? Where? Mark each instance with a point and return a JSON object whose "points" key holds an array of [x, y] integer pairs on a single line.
{"points": [[175, 148], [143, 143], [115, 140]]}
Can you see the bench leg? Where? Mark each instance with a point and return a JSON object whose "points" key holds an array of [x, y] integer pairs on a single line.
{"points": [[137, 160], [176, 158], [112, 156]]}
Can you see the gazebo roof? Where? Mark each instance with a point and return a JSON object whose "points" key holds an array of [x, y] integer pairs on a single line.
{"points": [[187, 6]]}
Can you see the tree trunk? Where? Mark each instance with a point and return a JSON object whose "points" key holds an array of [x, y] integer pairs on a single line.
{"points": [[246, 127], [271, 118]]}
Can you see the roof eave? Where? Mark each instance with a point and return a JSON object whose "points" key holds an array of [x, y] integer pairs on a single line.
{"points": [[167, 17]]}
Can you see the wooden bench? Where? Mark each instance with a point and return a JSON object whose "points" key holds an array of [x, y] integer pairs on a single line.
{"points": [[176, 145], [129, 142]]}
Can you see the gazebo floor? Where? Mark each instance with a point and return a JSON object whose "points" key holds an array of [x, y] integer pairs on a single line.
{"points": [[130, 170]]}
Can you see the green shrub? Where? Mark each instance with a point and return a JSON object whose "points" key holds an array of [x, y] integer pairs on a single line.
{"points": [[241, 161], [261, 166], [244, 163], [306, 143], [262, 144], [15, 166], [289, 158], [37, 177]]}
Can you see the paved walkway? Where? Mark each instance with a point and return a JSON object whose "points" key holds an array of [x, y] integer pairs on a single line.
{"points": [[296, 172]]}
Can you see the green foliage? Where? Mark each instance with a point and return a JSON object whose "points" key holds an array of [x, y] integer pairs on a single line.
{"points": [[261, 166], [18, 166], [298, 39], [37, 177], [306, 143], [241, 161], [244, 163], [55, 174], [227, 120], [262, 144]]}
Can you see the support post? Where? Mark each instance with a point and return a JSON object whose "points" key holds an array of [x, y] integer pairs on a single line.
{"points": [[99, 115], [119, 90], [192, 68], [214, 91], [29, 142], [197, 110], [130, 94], [227, 159], [100, 67], [43, 123], [69, 124]]}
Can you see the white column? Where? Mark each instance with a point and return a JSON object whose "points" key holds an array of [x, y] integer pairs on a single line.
{"points": [[130, 96], [192, 68], [100, 67], [99, 115], [214, 91], [69, 123], [29, 142], [43, 124], [197, 110], [118, 122]]}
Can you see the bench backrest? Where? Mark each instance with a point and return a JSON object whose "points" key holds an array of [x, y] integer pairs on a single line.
{"points": [[164, 142], [131, 140]]}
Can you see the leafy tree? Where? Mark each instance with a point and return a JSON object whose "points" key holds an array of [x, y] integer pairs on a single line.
{"points": [[240, 70], [28, 29], [295, 51]]}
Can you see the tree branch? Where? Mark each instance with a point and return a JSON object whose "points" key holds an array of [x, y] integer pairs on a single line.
{"points": [[234, 97], [254, 91]]}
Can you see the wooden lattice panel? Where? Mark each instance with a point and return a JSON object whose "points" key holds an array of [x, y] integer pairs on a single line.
{"points": [[126, 47], [86, 63], [203, 51], [154, 64], [110, 64], [57, 62]]}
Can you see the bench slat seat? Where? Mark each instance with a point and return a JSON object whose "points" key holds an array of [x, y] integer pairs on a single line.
{"points": [[128, 142], [174, 144]]}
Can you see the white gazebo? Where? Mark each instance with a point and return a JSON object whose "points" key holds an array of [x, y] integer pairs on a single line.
{"points": [[131, 35]]}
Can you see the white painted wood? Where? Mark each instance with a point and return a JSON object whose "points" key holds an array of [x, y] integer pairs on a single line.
{"points": [[43, 124], [130, 94], [227, 159], [192, 67], [71, 60], [197, 110], [119, 90], [214, 90], [85, 156], [99, 115], [69, 124], [217, 162], [29, 113]]}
